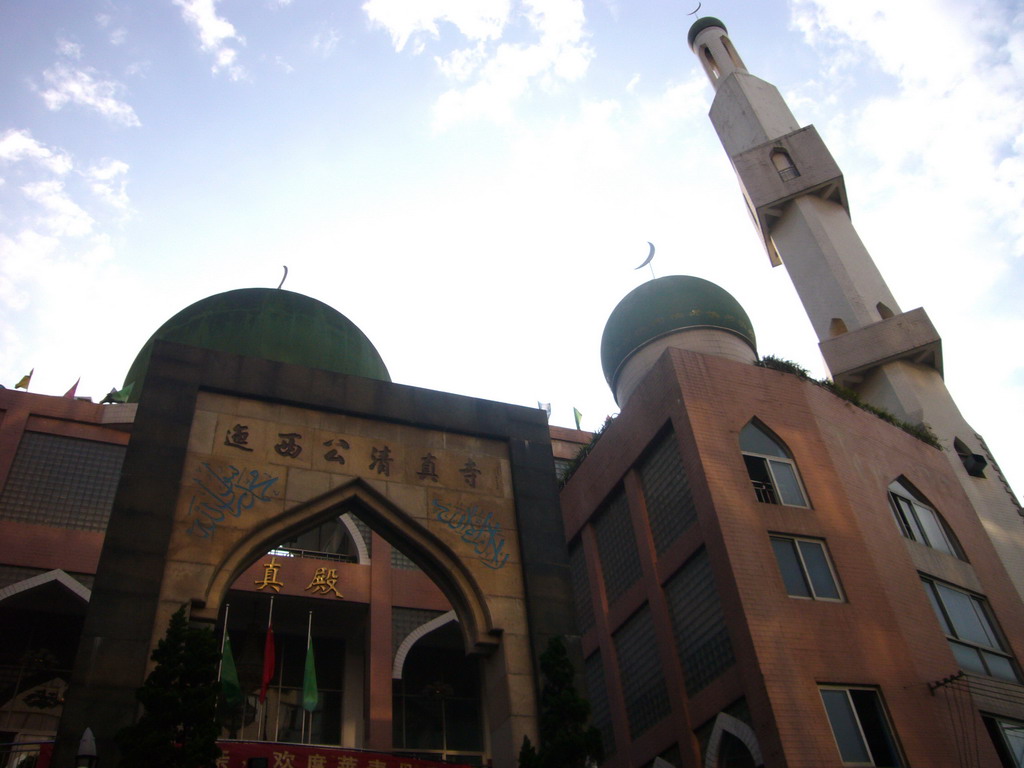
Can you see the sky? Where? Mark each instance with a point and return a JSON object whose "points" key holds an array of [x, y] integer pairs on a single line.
{"points": [[473, 182]]}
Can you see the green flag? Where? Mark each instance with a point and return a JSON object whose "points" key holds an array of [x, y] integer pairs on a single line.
{"points": [[116, 395], [229, 676], [578, 415], [310, 694]]}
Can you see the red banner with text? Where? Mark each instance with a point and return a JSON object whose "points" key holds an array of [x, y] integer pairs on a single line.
{"points": [[236, 754]]}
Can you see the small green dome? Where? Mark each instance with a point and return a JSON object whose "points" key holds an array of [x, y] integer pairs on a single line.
{"points": [[271, 324], [663, 306], [700, 25]]}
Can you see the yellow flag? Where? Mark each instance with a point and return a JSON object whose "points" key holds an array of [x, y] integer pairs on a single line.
{"points": [[23, 384]]}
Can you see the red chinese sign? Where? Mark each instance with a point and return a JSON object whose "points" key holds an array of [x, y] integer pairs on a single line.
{"points": [[236, 754]]}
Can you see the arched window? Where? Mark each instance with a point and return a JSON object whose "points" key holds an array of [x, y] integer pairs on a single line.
{"points": [[736, 60], [770, 467], [974, 463], [919, 522], [837, 327], [709, 63], [784, 164]]}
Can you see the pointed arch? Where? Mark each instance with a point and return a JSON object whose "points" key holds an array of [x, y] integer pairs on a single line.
{"points": [[71, 584], [837, 327], [770, 466], [726, 723], [710, 65], [974, 463], [784, 164], [919, 521], [729, 49], [883, 311], [395, 525], [410, 640], [362, 552]]}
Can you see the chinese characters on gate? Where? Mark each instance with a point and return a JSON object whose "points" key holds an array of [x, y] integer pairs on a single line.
{"points": [[290, 446], [324, 581]]}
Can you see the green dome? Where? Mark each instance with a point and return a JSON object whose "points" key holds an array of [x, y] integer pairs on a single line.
{"points": [[271, 324], [700, 25], [665, 305]]}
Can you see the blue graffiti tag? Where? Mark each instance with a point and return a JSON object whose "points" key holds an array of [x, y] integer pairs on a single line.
{"points": [[475, 527], [230, 492]]}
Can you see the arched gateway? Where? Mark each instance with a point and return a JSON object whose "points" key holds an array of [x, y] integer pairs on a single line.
{"points": [[230, 456]]}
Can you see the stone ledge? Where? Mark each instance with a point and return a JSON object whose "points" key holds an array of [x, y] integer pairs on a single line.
{"points": [[907, 336]]}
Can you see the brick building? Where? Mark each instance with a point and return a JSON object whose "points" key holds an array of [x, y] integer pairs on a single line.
{"points": [[758, 571]]}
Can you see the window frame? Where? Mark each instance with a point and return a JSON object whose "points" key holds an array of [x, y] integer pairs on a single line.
{"points": [[900, 494], [982, 611], [772, 494], [804, 570], [997, 725], [865, 743]]}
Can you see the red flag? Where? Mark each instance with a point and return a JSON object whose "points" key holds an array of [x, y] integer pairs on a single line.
{"points": [[268, 663], [71, 392]]}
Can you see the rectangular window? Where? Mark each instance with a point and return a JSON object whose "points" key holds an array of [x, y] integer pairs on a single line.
{"points": [[670, 507], [698, 622], [597, 693], [1008, 736], [581, 586], [860, 727], [616, 546], [971, 630], [62, 481], [806, 568], [643, 682]]}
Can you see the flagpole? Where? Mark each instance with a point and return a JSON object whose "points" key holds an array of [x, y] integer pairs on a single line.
{"points": [[309, 643], [280, 684], [261, 725], [224, 634]]}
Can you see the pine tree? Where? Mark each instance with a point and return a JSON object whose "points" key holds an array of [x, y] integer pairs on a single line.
{"points": [[179, 724], [565, 739]]}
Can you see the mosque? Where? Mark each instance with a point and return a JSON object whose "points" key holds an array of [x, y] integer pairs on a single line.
{"points": [[751, 568]]}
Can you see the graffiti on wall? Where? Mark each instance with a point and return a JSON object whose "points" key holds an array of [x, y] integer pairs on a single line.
{"points": [[228, 491], [477, 527]]}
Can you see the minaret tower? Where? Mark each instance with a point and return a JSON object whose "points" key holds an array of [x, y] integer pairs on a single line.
{"points": [[797, 198]]}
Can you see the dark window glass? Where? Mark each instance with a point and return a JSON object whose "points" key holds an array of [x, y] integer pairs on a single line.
{"points": [[1008, 737], [818, 568], [805, 568], [770, 468], [643, 683], [789, 566], [919, 522], [670, 507], [616, 546], [62, 481], [581, 587], [597, 693], [860, 726], [972, 632], [702, 640]]}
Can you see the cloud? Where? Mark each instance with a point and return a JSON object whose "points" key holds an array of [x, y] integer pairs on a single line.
{"points": [[109, 182], [80, 86], [215, 34], [65, 217], [497, 79], [69, 49], [21, 258], [957, 119], [475, 19], [325, 41], [16, 145]]}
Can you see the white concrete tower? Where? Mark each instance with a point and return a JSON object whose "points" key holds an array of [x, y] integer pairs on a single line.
{"points": [[797, 199]]}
